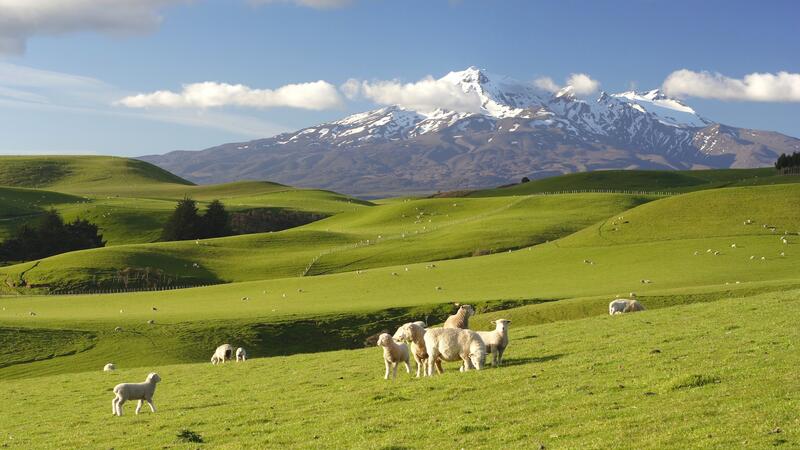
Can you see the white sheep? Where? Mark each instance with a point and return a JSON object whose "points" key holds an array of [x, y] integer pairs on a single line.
{"points": [[393, 354], [496, 340], [223, 353], [414, 332], [461, 318], [241, 355], [454, 344], [624, 305], [135, 391], [110, 367]]}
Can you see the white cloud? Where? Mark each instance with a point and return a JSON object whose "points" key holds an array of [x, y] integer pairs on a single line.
{"points": [[317, 95], [547, 84], [759, 87], [427, 94], [318, 4], [580, 83], [23, 19]]}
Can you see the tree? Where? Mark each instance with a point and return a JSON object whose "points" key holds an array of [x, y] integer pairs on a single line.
{"points": [[50, 237], [184, 223], [525, 180], [216, 221]]}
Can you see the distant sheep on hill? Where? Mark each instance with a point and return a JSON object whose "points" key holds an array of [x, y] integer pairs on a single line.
{"points": [[241, 355], [223, 353], [110, 367], [624, 305]]}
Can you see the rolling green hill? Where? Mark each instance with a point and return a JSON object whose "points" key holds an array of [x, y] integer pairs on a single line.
{"points": [[642, 180], [397, 233], [130, 200]]}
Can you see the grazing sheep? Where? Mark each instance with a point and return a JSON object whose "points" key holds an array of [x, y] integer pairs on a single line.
{"points": [[244, 299], [223, 353], [461, 318], [783, 253], [31, 313], [453, 344], [496, 340], [624, 305], [151, 322], [110, 367], [394, 274], [393, 354], [414, 332], [241, 355], [135, 391], [733, 245], [648, 281], [716, 253], [117, 329]]}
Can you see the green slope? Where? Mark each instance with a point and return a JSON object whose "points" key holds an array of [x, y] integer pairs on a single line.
{"points": [[714, 375], [643, 180], [397, 233]]}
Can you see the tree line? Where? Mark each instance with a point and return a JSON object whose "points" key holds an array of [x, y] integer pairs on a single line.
{"points": [[49, 237], [788, 161], [186, 222]]}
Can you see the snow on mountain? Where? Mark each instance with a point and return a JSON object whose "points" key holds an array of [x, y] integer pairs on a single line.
{"points": [[520, 130]]}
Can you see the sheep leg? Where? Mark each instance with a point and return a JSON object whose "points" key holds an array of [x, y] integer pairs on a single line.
{"points": [[420, 362], [394, 366], [432, 357], [114, 406], [152, 406], [408, 367], [386, 376], [120, 402], [439, 366], [138, 406], [500, 356]]}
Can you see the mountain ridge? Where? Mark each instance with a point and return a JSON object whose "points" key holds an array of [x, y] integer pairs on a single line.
{"points": [[518, 130]]}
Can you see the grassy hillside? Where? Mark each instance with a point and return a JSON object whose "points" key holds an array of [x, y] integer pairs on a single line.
{"points": [[643, 180], [129, 199], [82, 174], [638, 381], [397, 233]]}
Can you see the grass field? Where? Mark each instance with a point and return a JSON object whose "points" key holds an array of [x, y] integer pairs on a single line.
{"points": [[657, 379], [712, 363]]}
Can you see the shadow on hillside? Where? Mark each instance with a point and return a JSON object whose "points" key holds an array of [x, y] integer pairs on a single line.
{"points": [[530, 360], [207, 405]]}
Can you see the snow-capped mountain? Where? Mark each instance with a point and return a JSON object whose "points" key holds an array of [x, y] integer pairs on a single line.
{"points": [[520, 130]]}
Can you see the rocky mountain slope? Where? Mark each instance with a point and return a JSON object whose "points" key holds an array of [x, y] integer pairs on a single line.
{"points": [[519, 131]]}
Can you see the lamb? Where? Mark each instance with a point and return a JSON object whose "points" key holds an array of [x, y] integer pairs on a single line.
{"points": [[241, 355], [414, 332], [453, 344], [110, 367], [461, 318], [393, 354], [223, 353], [135, 391], [624, 305], [496, 340]]}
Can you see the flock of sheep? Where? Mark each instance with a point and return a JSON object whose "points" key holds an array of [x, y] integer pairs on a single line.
{"points": [[452, 342]]}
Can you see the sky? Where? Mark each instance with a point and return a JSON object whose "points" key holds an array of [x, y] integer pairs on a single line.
{"points": [[137, 77]]}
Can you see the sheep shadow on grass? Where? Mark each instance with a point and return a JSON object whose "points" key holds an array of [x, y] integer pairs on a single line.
{"points": [[532, 359]]}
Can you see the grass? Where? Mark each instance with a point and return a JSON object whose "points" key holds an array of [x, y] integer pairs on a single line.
{"points": [[675, 181], [397, 233], [711, 364], [591, 383]]}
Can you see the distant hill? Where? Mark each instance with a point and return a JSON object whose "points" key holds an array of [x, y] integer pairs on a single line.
{"points": [[81, 173]]}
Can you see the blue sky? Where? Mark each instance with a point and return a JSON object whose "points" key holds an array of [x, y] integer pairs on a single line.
{"points": [[62, 92]]}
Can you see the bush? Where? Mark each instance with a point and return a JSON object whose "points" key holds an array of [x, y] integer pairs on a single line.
{"points": [[50, 237]]}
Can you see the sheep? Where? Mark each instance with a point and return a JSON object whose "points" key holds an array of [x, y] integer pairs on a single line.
{"points": [[393, 354], [461, 318], [151, 322], [453, 344], [733, 245], [110, 367], [496, 340], [647, 281], [241, 355], [624, 305], [135, 391], [117, 329], [414, 332], [223, 353]]}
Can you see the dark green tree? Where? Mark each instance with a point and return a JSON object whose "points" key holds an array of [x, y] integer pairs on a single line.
{"points": [[50, 237], [216, 221], [525, 180], [184, 223]]}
